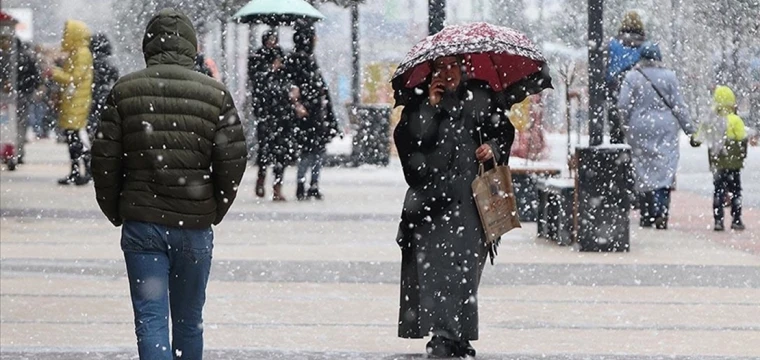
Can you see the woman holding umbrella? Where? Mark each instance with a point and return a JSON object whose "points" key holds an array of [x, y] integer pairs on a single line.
{"points": [[454, 122]]}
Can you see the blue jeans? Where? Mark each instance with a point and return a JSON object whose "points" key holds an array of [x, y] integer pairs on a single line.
{"points": [[168, 270], [655, 204], [313, 161]]}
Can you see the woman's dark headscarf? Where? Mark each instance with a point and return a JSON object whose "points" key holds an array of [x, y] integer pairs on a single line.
{"points": [[303, 38], [268, 35], [100, 45]]}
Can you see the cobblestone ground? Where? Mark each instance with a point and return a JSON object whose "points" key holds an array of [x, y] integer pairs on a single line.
{"points": [[318, 280]]}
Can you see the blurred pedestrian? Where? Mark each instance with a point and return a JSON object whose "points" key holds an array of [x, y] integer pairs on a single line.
{"points": [[75, 80], [273, 101], [652, 110], [168, 166], [727, 141], [442, 140], [28, 79], [623, 54], [205, 65], [105, 75], [316, 122]]}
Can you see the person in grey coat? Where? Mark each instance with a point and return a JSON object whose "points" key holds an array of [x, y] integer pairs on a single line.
{"points": [[653, 111], [442, 139]]}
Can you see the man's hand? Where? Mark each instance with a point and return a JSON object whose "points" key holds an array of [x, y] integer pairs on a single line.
{"points": [[437, 87], [484, 153]]}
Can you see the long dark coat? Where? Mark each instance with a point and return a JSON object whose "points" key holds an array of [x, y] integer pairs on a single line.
{"points": [[440, 235], [317, 129], [273, 110]]}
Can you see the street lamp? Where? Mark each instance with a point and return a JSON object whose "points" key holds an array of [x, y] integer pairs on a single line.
{"points": [[436, 15]]}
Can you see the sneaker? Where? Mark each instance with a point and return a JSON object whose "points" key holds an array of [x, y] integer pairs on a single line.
{"points": [[661, 223], [68, 180], [82, 180], [719, 226], [737, 225], [314, 193]]}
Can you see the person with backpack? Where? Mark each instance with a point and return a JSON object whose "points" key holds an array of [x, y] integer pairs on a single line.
{"points": [[652, 111], [623, 52], [28, 79], [167, 167], [727, 141]]}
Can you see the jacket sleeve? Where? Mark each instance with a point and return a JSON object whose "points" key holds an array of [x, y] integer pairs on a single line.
{"points": [[498, 132], [106, 162], [626, 99], [74, 69], [423, 148], [228, 158], [679, 108]]}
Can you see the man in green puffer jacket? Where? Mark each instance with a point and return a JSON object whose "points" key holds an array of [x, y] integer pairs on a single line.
{"points": [[727, 148], [167, 163]]}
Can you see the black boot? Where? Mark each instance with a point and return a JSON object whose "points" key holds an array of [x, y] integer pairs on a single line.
{"points": [[441, 347], [84, 179], [72, 177], [737, 224], [301, 191], [314, 192], [260, 182], [466, 349], [719, 225]]}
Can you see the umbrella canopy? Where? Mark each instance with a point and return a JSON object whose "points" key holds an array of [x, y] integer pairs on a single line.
{"points": [[275, 12], [503, 57]]}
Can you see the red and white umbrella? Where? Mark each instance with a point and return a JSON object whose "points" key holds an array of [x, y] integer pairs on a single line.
{"points": [[501, 56]]}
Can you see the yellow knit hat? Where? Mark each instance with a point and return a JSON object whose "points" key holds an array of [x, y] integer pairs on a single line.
{"points": [[724, 98], [632, 23]]}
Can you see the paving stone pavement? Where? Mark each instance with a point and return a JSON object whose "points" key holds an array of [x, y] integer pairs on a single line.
{"points": [[318, 280]]}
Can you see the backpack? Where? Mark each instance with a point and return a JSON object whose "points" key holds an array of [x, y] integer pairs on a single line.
{"points": [[621, 59]]}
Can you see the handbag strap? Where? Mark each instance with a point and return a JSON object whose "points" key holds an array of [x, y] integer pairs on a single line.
{"points": [[657, 90]]}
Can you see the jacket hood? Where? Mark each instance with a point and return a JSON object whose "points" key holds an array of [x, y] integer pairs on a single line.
{"points": [[170, 39], [76, 35], [650, 51], [725, 100], [100, 45]]}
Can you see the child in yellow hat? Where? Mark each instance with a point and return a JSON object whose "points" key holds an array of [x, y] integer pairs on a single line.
{"points": [[726, 139]]}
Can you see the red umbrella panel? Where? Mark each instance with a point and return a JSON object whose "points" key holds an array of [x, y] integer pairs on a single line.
{"points": [[499, 70], [501, 56]]}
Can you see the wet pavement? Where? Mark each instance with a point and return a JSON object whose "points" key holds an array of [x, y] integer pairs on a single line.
{"points": [[319, 280]]}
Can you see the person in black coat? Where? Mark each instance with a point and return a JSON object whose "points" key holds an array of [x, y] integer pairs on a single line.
{"points": [[442, 140], [105, 74], [273, 97], [317, 124], [27, 81]]}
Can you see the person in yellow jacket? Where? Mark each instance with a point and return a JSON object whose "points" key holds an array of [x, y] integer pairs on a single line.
{"points": [[75, 79], [726, 139]]}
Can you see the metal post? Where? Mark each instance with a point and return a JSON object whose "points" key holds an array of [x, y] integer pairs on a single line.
{"points": [[596, 71], [355, 60], [436, 15]]}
